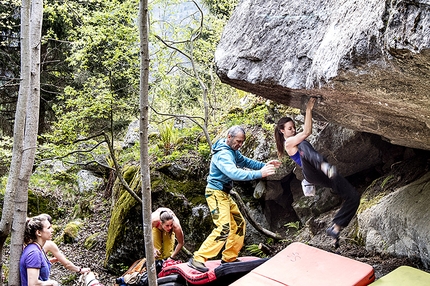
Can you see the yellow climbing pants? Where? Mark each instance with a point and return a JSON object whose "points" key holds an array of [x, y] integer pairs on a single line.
{"points": [[229, 231], [164, 242]]}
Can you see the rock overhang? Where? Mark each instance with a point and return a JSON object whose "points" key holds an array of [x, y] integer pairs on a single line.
{"points": [[368, 60]]}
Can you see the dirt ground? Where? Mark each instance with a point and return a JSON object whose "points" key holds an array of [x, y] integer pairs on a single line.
{"points": [[93, 258], [98, 221], [382, 264]]}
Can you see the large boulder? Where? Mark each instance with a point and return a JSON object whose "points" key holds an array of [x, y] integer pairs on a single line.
{"points": [[368, 60], [398, 223], [88, 181]]}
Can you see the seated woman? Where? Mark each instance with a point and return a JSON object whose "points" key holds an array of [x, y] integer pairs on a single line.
{"points": [[51, 247], [165, 227], [34, 265]]}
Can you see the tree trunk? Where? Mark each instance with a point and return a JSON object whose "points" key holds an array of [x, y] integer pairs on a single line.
{"points": [[18, 133], [30, 142], [144, 160]]}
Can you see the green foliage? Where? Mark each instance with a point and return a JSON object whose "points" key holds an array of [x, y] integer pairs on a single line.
{"points": [[129, 154], [293, 225], [38, 205], [386, 180], [221, 8], [254, 114], [3, 182], [182, 70], [255, 250], [5, 270], [204, 150], [175, 155], [102, 74], [6, 144], [9, 65], [45, 179], [105, 60], [173, 143], [169, 137], [293, 229]]}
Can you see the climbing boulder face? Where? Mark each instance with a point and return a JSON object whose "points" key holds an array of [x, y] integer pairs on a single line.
{"points": [[367, 60], [398, 222], [350, 151]]}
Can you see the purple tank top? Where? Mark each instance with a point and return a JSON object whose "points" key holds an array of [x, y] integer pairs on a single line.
{"points": [[296, 158]]}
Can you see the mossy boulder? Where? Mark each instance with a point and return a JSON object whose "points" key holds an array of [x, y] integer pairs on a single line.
{"points": [[91, 241], [71, 231], [125, 242]]}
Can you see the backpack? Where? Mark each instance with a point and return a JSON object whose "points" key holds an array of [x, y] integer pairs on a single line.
{"points": [[136, 274]]}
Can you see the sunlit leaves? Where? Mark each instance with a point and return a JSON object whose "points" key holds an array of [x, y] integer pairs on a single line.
{"points": [[105, 60], [221, 8]]}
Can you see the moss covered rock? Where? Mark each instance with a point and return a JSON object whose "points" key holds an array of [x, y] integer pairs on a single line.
{"points": [[125, 242], [70, 233]]}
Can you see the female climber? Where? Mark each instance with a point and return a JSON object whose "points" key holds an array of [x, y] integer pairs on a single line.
{"points": [[316, 170]]}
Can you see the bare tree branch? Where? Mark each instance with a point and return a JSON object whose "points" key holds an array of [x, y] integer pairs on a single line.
{"points": [[201, 23], [118, 171], [89, 163], [190, 117], [116, 168], [251, 220]]}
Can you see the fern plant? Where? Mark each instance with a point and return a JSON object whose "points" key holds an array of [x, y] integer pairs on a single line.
{"points": [[169, 137], [255, 250]]}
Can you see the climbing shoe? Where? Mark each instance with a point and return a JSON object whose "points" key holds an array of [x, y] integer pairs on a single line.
{"points": [[329, 170], [335, 235], [330, 232]]}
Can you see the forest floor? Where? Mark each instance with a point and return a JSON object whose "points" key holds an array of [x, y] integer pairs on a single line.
{"points": [[94, 257]]}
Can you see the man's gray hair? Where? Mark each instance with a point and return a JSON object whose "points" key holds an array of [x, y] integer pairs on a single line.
{"points": [[235, 130]]}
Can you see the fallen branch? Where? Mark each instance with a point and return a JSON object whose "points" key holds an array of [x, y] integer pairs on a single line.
{"points": [[251, 220]]}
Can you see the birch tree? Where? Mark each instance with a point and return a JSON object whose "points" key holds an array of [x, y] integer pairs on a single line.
{"points": [[30, 141], [19, 128], [144, 154]]}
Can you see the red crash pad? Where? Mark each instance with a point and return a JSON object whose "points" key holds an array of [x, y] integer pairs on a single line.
{"points": [[303, 265], [195, 277]]}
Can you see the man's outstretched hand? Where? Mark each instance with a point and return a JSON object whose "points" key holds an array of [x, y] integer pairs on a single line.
{"points": [[275, 163], [268, 170]]}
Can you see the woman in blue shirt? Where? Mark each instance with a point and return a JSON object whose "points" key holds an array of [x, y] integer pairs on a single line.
{"points": [[34, 266]]}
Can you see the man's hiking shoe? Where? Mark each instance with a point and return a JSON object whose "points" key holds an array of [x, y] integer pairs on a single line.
{"points": [[237, 260], [335, 235], [199, 266]]}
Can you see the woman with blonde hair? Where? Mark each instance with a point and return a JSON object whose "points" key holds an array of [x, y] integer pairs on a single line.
{"points": [[165, 228]]}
